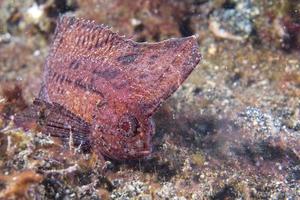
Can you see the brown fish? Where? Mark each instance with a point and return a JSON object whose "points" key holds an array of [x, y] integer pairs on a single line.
{"points": [[101, 89]]}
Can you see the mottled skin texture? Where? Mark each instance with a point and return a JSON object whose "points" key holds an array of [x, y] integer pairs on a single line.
{"points": [[110, 85]]}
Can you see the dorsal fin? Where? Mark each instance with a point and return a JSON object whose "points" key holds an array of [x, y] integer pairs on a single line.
{"points": [[84, 37]]}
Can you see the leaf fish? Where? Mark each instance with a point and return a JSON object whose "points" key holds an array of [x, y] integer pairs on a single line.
{"points": [[101, 89]]}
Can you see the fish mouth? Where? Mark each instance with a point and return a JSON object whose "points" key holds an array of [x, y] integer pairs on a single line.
{"points": [[127, 156]]}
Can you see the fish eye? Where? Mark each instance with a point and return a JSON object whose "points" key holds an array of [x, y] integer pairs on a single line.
{"points": [[128, 126]]}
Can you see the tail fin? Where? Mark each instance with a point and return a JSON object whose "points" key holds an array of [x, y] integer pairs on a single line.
{"points": [[55, 120]]}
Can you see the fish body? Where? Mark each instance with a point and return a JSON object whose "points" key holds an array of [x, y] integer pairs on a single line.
{"points": [[103, 89]]}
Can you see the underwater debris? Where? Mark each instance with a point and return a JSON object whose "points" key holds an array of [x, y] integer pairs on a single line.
{"points": [[142, 20], [12, 101], [233, 22], [17, 184], [130, 190]]}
